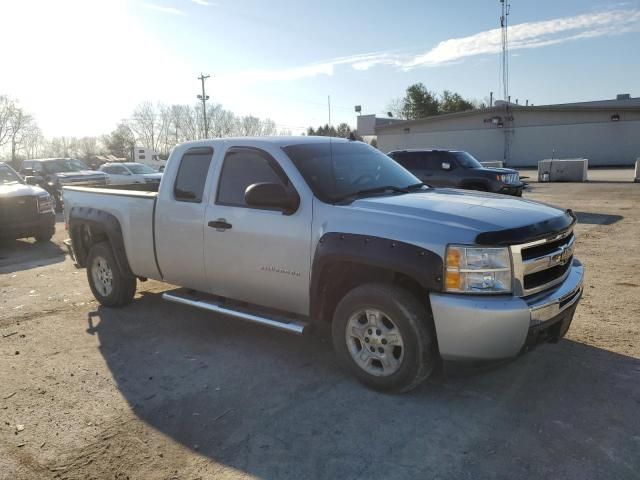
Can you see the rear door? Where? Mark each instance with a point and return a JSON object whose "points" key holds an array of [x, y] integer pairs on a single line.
{"points": [[437, 176], [180, 213], [259, 256]]}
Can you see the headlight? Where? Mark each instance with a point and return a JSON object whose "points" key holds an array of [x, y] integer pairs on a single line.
{"points": [[44, 203], [477, 270]]}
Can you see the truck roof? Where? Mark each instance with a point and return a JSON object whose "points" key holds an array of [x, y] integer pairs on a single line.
{"points": [[282, 141]]}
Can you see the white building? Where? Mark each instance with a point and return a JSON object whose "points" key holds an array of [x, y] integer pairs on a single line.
{"points": [[606, 132]]}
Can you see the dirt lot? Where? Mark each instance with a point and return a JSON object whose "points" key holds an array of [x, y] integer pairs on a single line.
{"points": [[162, 391]]}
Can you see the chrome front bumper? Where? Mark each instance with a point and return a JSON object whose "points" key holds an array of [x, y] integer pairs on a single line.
{"points": [[474, 327]]}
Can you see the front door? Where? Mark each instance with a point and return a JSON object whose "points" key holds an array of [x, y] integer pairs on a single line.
{"points": [[256, 255]]}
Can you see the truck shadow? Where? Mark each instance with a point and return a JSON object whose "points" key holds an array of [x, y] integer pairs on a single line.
{"points": [[592, 218], [277, 406], [24, 254]]}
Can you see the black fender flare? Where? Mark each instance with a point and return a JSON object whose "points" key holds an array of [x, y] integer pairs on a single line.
{"points": [[100, 221], [421, 265]]}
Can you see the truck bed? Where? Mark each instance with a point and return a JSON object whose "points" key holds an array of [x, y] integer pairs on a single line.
{"points": [[134, 207]]}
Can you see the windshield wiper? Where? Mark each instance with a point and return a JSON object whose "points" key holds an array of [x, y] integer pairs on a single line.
{"points": [[417, 186], [372, 191]]}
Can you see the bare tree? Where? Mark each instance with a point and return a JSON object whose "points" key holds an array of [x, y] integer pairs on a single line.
{"points": [[7, 112]]}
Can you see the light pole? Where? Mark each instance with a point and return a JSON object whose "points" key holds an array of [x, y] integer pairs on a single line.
{"points": [[204, 97]]}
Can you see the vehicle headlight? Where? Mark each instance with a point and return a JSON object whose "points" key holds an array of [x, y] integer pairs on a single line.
{"points": [[478, 269], [44, 203]]}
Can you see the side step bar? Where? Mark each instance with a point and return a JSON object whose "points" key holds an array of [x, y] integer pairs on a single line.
{"points": [[295, 327]]}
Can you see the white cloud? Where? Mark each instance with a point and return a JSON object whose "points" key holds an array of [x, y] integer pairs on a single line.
{"points": [[530, 35], [521, 36], [163, 9], [204, 3]]}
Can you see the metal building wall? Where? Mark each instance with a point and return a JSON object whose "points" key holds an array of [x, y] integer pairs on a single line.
{"points": [[538, 137]]}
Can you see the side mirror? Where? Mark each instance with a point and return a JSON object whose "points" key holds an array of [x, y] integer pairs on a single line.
{"points": [[271, 195], [446, 166]]}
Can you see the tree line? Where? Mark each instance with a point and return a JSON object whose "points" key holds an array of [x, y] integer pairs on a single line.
{"points": [[152, 125], [420, 102]]}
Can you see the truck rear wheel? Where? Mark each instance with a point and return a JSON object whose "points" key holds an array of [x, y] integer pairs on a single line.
{"points": [[385, 336], [110, 286]]}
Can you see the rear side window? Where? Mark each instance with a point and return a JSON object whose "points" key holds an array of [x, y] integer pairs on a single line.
{"points": [[433, 160], [410, 160], [192, 175], [243, 167]]}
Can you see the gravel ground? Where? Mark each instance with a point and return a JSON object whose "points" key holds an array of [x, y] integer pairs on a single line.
{"points": [[161, 391]]}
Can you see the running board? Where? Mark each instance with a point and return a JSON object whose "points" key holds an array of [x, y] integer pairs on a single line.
{"points": [[292, 326]]}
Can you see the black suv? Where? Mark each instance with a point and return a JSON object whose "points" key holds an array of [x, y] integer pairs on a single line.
{"points": [[25, 210], [53, 173], [458, 169]]}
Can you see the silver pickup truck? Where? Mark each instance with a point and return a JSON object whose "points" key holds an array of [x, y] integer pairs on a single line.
{"points": [[291, 232]]}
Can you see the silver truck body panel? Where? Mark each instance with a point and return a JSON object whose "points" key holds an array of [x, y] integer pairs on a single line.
{"points": [[134, 211]]}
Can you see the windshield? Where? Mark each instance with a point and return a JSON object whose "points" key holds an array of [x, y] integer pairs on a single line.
{"points": [[338, 170], [8, 176], [466, 160], [62, 165], [139, 168]]}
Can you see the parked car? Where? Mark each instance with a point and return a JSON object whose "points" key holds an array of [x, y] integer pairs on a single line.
{"points": [[53, 173], [130, 172], [458, 169], [25, 210], [292, 232]]}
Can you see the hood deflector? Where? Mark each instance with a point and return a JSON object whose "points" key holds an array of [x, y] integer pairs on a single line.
{"points": [[528, 233]]}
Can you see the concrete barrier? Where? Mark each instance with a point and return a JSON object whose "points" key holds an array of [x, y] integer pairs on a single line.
{"points": [[637, 176], [493, 164], [563, 170]]}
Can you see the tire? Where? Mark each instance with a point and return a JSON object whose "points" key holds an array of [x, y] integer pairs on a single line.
{"points": [[45, 235], [410, 361], [110, 286]]}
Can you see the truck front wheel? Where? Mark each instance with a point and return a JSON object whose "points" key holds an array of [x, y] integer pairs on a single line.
{"points": [[110, 286], [385, 336]]}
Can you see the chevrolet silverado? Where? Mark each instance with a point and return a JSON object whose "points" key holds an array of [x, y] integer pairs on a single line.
{"points": [[290, 232]]}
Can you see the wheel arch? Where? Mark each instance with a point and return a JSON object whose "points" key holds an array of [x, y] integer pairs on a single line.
{"points": [[88, 226], [343, 261]]}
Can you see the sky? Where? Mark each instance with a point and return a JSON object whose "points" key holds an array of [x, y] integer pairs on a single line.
{"points": [[81, 66]]}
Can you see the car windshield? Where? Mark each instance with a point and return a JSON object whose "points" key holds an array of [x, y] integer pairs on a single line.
{"points": [[62, 165], [8, 176], [139, 168], [466, 160], [335, 171]]}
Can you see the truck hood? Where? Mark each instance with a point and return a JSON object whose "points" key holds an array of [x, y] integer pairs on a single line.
{"points": [[474, 213], [80, 174], [18, 190], [498, 171], [153, 176]]}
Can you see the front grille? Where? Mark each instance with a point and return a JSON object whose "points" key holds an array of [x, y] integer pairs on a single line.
{"points": [[512, 178], [545, 248], [543, 277], [542, 264], [18, 209]]}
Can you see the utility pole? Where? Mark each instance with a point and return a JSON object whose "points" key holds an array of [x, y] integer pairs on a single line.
{"points": [[508, 125], [204, 97]]}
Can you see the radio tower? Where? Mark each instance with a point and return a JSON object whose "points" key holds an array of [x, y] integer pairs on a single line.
{"points": [[507, 122]]}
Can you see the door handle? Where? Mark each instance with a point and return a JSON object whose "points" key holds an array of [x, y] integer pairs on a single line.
{"points": [[220, 224]]}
